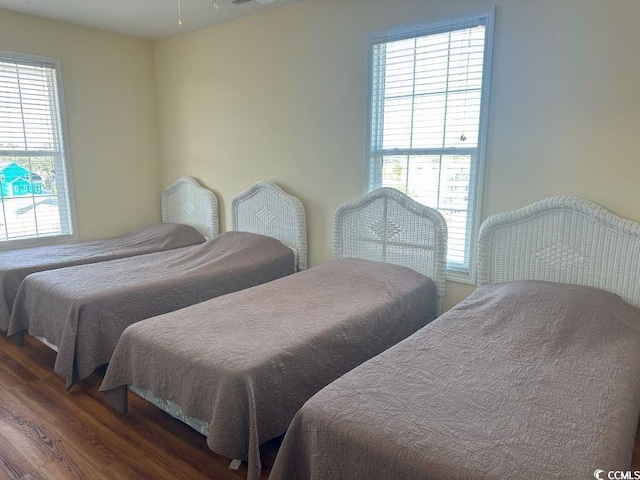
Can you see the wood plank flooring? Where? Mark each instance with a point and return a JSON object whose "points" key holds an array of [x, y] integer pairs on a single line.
{"points": [[49, 433]]}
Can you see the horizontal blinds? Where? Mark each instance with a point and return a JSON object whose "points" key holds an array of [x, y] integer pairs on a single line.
{"points": [[26, 106], [33, 184], [426, 99]]}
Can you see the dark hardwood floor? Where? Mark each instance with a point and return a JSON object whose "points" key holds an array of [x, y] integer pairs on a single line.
{"points": [[49, 433]]}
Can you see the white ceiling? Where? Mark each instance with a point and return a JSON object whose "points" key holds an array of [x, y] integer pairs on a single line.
{"points": [[150, 19]]}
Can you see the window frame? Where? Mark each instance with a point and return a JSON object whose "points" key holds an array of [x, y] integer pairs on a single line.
{"points": [[62, 238], [427, 27]]}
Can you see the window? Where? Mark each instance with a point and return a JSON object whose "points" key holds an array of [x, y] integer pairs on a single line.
{"points": [[429, 86], [32, 147]]}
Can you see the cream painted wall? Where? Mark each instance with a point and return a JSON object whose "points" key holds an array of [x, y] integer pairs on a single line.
{"points": [[281, 96], [109, 88]]}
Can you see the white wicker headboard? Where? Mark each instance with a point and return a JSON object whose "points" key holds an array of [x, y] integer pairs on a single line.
{"points": [[386, 225], [562, 239], [266, 209], [186, 201]]}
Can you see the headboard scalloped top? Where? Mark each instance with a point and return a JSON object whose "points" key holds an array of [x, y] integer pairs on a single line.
{"points": [[562, 239], [266, 209], [386, 225], [186, 201]]}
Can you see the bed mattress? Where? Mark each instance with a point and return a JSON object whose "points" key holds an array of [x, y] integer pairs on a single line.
{"points": [[522, 380], [246, 362], [15, 265], [83, 310]]}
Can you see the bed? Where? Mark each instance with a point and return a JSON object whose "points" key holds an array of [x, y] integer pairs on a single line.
{"points": [[238, 367], [81, 311], [189, 214], [535, 375]]}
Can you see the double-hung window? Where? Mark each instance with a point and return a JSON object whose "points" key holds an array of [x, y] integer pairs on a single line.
{"points": [[428, 99], [34, 187]]}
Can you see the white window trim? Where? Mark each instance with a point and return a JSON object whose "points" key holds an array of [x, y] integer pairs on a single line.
{"points": [[409, 31], [53, 239]]}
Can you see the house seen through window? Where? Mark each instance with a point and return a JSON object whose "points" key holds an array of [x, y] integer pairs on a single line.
{"points": [[34, 192], [429, 83]]}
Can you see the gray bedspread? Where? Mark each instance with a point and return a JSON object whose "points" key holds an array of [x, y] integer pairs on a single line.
{"points": [[524, 380], [15, 265], [246, 362], [83, 310]]}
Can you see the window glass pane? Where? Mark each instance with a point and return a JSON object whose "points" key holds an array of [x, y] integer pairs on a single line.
{"points": [[394, 172], [462, 119], [423, 183], [26, 106], [399, 68], [397, 122], [30, 207], [432, 63], [429, 121], [425, 119], [455, 204], [439, 181], [33, 188]]}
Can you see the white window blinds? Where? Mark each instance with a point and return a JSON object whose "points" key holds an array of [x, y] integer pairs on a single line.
{"points": [[34, 191], [428, 85]]}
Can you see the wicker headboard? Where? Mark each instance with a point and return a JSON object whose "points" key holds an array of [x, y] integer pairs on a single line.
{"points": [[562, 239], [266, 209], [387, 226], [186, 201]]}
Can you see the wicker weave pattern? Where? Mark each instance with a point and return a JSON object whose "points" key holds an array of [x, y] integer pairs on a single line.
{"points": [[266, 209], [387, 226], [186, 201], [562, 239]]}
